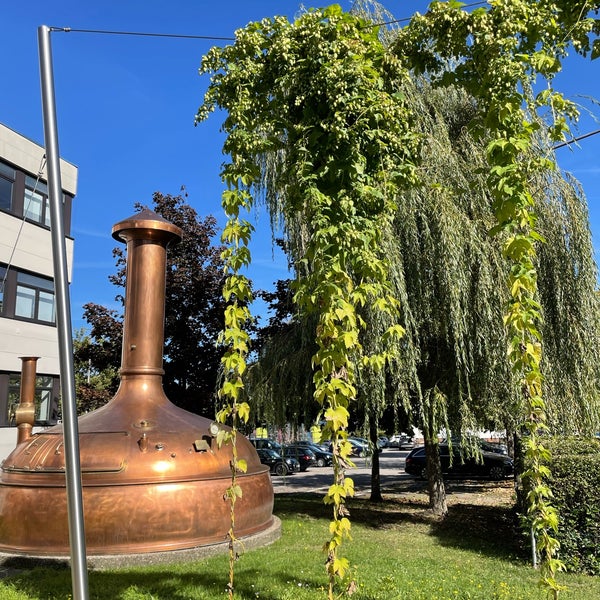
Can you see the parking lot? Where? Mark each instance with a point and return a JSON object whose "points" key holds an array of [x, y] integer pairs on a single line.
{"points": [[395, 481]]}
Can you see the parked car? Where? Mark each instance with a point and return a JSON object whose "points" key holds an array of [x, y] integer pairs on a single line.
{"points": [[382, 441], [303, 454], [493, 447], [260, 443], [325, 446], [360, 447], [483, 444], [277, 464], [323, 458], [400, 440], [365, 442], [489, 464]]}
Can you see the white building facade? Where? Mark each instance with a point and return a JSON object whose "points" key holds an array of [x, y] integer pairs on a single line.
{"points": [[27, 301]]}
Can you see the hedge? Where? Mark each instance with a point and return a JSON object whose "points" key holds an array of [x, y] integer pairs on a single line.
{"points": [[575, 467]]}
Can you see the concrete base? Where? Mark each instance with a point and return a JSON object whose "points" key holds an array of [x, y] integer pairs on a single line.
{"points": [[14, 562]]}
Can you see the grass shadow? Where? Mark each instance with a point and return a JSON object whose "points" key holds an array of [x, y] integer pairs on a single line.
{"points": [[175, 583], [489, 530], [483, 527], [370, 514]]}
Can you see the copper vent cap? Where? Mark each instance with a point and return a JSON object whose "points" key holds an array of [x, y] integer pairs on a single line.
{"points": [[153, 477]]}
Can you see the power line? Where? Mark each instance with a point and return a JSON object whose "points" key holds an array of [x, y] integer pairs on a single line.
{"points": [[207, 37], [407, 19], [143, 34], [575, 139]]}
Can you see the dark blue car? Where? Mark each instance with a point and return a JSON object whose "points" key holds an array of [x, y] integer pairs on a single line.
{"points": [[488, 464]]}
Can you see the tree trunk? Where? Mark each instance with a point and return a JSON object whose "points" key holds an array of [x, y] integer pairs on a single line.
{"points": [[511, 437], [435, 479], [375, 472], [519, 466]]}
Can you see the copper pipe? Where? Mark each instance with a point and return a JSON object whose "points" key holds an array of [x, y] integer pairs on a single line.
{"points": [[25, 413], [147, 236]]}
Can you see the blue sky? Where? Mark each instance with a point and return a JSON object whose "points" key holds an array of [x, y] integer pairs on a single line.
{"points": [[126, 109]]}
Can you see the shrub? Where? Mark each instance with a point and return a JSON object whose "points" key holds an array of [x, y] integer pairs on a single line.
{"points": [[575, 467]]}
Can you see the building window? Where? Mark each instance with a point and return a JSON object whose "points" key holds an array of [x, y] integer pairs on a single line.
{"points": [[7, 178], [25, 196], [35, 298], [36, 207], [43, 398], [2, 285]]}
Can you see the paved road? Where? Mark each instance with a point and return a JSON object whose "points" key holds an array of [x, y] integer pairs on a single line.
{"points": [[318, 479]]}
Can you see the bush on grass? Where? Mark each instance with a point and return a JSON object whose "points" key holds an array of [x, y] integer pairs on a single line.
{"points": [[575, 467]]}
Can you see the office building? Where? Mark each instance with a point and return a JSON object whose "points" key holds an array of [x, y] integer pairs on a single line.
{"points": [[27, 301]]}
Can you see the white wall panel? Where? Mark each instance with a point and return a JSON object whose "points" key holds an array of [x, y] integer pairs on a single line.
{"points": [[32, 246], [21, 338]]}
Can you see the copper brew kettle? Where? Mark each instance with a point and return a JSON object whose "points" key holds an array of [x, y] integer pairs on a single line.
{"points": [[152, 475]]}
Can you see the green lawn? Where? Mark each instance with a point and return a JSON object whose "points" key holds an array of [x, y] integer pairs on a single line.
{"points": [[398, 552]]}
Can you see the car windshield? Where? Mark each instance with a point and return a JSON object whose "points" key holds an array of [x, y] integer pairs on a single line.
{"points": [[293, 450]]}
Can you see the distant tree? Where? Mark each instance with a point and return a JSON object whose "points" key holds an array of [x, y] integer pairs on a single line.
{"points": [[282, 311], [96, 357], [96, 379], [280, 380], [193, 312], [102, 348]]}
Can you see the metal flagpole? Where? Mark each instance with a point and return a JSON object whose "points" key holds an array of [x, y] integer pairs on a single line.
{"points": [[63, 320]]}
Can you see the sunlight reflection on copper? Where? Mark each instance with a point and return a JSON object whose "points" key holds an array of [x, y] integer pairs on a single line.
{"points": [[161, 466]]}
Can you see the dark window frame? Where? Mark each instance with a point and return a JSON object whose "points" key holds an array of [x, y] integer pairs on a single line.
{"points": [[22, 181], [45, 385], [38, 288], [8, 174], [9, 304]]}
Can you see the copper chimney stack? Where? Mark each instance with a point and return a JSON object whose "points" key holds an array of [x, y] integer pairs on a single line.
{"points": [[25, 413], [153, 477]]}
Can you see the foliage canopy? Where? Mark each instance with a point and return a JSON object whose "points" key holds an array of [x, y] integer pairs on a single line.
{"points": [[317, 118]]}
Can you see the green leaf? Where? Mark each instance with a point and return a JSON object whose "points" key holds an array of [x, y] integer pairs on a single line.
{"points": [[223, 436], [340, 566], [243, 410], [338, 416], [335, 493], [232, 388]]}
